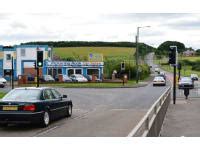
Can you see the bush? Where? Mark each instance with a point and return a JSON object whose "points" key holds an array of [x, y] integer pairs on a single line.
{"points": [[115, 64]]}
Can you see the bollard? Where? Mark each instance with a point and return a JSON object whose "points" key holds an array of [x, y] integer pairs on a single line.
{"points": [[186, 92]]}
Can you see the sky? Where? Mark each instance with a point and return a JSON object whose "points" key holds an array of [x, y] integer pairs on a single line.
{"points": [[88, 20]]}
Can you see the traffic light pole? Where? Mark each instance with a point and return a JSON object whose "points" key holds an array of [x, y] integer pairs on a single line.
{"points": [[37, 76], [174, 85], [12, 74], [173, 61]]}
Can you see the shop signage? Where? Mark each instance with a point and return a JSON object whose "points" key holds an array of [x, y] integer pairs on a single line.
{"points": [[72, 64]]}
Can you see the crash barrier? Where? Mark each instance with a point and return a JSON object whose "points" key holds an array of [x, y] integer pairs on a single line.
{"points": [[151, 123], [193, 93]]}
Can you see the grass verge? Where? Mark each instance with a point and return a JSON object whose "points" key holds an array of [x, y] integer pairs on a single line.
{"points": [[2, 94]]}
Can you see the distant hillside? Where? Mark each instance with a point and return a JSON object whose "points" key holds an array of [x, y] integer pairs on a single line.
{"points": [[85, 44], [143, 48], [82, 53]]}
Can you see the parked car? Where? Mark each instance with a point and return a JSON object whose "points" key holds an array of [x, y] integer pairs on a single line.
{"points": [[65, 78], [47, 78], [185, 82], [78, 78], [30, 77], [89, 78], [34, 105], [158, 80], [3, 82], [194, 77]]}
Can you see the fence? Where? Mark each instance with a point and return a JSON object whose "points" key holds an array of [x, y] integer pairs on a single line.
{"points": [[151, 123]]}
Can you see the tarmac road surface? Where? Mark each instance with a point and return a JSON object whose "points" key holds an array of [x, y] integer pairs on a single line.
{"points": [[96, 112]]}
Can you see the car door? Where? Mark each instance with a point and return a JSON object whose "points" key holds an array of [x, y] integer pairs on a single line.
{"points": [[61, 103], [52, 103]]}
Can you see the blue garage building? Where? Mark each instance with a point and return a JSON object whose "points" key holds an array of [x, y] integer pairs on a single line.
{"points": [[25, 56]]}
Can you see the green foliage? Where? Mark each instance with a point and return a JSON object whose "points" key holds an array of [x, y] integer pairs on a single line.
{"points": [[197, 52], [82, 44], [164, 47], [115, 64], [145, 49], [195, 65]]}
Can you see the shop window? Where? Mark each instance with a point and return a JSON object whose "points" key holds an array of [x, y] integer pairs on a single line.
{"points": [[7, 72], [49, 54], [70, 72], [49, 71], [8, 56], [93, 72], [78, 71], [59, 70], [23, 52]]}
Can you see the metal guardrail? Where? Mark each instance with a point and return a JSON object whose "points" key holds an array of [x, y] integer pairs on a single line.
{"points": [[151, 123]]}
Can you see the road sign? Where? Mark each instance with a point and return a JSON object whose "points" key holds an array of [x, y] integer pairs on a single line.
{"points": [[95, 57]]}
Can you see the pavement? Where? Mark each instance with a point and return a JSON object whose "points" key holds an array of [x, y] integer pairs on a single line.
{"points": [[183, 118]]}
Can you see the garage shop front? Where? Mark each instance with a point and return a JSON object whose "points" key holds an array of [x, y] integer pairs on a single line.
{"points": [[68, 68]]}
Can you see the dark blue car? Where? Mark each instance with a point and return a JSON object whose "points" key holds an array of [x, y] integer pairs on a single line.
{"points": [[34, 105]]}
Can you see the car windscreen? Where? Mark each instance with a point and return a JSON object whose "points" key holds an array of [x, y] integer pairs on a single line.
{"points": [[158, 78], [186, 79], [22, 95]]}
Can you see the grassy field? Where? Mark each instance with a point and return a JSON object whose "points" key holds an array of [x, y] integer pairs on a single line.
{"points": [[85, 51], [186, 70], [196, 58]]}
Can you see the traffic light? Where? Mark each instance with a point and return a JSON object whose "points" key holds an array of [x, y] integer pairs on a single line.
{"points": [[35, 65], [39, 58], [122, 66], [172, 55]]}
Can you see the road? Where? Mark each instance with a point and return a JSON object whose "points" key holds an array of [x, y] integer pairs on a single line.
{"points": [[97, 112]]}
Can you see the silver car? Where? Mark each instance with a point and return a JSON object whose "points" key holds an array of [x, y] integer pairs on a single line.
{"points": [[158, 80], [186, 82]]}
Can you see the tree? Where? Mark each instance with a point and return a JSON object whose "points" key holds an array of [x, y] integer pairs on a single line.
{"points": [[164, 47], [198, 52]]}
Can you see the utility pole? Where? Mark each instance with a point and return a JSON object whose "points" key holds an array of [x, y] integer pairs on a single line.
{"points": [[137, 52], [136, 59]]}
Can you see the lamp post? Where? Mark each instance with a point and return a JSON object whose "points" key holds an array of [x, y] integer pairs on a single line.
{"points": [[137, 52]]}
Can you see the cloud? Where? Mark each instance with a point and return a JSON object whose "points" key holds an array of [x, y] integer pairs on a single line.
{"points": [[185, 24], [18, 25]]}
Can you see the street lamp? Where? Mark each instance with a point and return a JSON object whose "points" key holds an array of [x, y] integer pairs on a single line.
{"points": [[137, 51]]}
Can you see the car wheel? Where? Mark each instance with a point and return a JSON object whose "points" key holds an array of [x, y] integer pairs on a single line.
{"points": [[69, 111], [45, 119]]}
